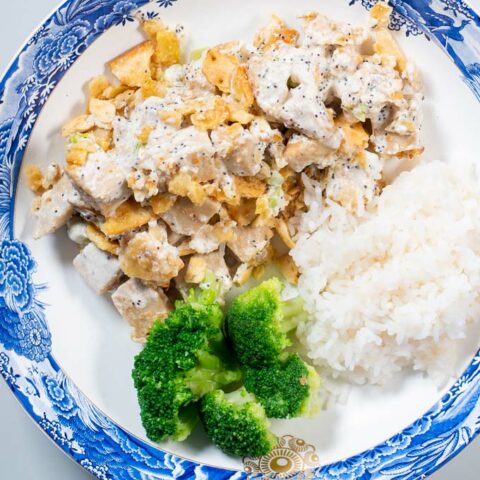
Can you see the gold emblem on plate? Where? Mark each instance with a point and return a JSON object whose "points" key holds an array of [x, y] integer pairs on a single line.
{"points": [[291, 458]]}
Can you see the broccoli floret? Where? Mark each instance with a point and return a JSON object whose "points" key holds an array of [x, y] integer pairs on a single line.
{"points": [[236, 423], [258, 323], [184, 358], [287, 389]]}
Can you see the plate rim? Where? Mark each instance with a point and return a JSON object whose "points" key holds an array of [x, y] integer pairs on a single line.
{"points": [[26, 363]]}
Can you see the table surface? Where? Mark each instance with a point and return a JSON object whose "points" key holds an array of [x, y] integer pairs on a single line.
{"points": [[25, 452]]}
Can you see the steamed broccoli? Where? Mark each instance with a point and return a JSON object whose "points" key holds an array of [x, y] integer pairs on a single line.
{"points": [[258, 323], [236, 423], [184, 358], [287, 389]]}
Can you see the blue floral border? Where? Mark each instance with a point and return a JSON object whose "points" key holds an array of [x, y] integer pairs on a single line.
{"points": [[56, 404]]}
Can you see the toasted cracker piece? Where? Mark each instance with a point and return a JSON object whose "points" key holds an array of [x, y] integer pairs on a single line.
{"points": [[167, 44], [103, 137], [276, 31], [289, 269], [219, 195], [167, 49], [244, 213], [224, 232], [241, 88], [150, 259], [152, 27], [76, 157], [144, 134], [133, 67], [249, 187], [153, 88], [258, 272], [80, 124], [385, 44], [224, 71], [210, 264], [283, 232], [103, 110], [97, 86], [219, 69], [162, 203], [355, 136], [237, 114], [172, 118], [185, 250], [129, 215], [101, 241], [124, 99], [184, 186], [381, 12], [211, 115], [243, 274], [40, 183], [78, 152], [34, 178], [113, 91], [196, 270]]}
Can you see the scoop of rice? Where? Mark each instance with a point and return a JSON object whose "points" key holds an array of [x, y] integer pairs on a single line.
{"points": [[397, 287]]}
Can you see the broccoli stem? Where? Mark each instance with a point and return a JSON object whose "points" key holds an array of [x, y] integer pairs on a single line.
{"points": [[239, 397], [208, 361], [210, 374], [187, 420], [293, 313]]}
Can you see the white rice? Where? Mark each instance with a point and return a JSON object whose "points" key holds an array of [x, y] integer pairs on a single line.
{"points": [[397, 287]]}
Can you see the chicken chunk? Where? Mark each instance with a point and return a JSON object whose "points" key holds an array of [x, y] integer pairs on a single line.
{"points": [[190, 150], [407, 117], [150, 258], [250, 243], [275, 31], [143, 179], [85, 206], [53, 209], [353, 185], [195, 79], [302, 151], [346, 59], [186, 218], [395, 144], [322, 31], [241, 150], [368, 91], [208, 238], [204, 240], [291, 86], [100, 270], [102, 178], [141, 306]]}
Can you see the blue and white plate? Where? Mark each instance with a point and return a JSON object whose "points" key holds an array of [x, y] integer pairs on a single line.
{"points": [[67, 355]]}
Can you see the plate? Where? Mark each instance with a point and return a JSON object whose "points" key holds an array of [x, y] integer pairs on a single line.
{"points": [[66, 353]]}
